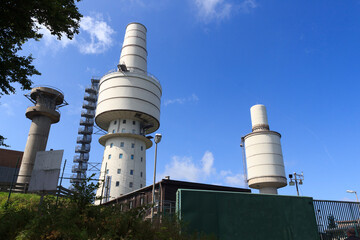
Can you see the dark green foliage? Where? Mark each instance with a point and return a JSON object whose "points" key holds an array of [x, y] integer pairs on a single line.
{"points": [[2, 144], [19, 22], [331, 222], [76, 218], [84, 193]]}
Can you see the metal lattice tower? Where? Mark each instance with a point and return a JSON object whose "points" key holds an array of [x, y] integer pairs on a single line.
{"points": [[85, 133]]}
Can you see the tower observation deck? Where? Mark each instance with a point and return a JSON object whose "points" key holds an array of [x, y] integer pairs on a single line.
{"points": [[128, 108]]}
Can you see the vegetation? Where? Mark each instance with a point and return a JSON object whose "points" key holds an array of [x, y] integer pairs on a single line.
{"points": [[20, 21], [76, 218]]}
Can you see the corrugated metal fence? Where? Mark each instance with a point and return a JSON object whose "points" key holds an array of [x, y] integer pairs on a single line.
{"points": [[335, 217]]}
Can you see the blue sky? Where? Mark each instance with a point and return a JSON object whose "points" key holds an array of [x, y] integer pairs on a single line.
{"points": [[215, 59]]}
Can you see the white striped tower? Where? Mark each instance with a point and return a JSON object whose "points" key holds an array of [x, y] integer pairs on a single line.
{"points": [[128, 108]]}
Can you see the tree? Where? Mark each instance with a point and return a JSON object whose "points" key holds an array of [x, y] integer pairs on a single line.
{"points": [[20, 21], [2, 144], [331, 222]]}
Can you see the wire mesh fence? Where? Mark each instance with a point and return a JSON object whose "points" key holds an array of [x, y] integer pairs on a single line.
{"points": [[335, 217]]}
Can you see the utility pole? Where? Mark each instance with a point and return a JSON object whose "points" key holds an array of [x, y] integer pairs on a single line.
{"points": [[298, 180]]}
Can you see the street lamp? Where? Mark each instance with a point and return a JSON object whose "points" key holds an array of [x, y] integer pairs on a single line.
{"points": [[298, 179], [357, 200], [156, 140], [351, 191]]}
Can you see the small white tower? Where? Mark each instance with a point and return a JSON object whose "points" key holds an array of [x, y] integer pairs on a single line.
{"points": [[128, 108], [264, 159]]}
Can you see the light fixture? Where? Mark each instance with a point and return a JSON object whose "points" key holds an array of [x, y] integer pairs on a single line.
{"points": [[157, 138]]}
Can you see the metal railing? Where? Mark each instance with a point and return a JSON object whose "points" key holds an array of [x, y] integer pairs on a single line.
{"points": [[83, 139], [88, 113], [87, 122], [89, 105], [78, 168], [85, 130], [83, 157], [333, 218], [135, 70], [82, 148]]}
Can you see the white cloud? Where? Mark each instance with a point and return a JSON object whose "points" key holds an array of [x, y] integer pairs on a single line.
{"points": [[247, 5], [192, 98], [213, 9], [184, 168], [7, 109], [95, 36], [218, 10], [100, 35], [207, 162], [235, 180]]}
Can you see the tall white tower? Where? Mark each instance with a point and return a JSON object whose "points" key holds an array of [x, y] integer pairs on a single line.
{"points": [[128, 108], [264, 159]]}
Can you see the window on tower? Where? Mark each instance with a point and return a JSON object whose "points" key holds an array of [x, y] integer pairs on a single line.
{"points": [[132, 145], [119, 171], [109, 156], [111, 145], [141, 158], [130, 184], [120, 155], [124, 121], [141, 174], [131, 172], [122, 144], [132, 156], [115, 122], [134, 122], [113, 131], [123, 130], [142, 148], [117, 183]]}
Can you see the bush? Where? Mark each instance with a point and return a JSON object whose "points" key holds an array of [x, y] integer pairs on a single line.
{"points": [[75, 218]]}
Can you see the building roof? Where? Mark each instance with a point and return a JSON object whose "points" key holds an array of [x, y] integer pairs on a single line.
{"points": [[8, 158], [179, 184]]}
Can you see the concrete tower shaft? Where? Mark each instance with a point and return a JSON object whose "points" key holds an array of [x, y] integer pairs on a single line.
{"points": [[264, 159], [43, 114], [259, 119], [133, 53], [128, 108]]}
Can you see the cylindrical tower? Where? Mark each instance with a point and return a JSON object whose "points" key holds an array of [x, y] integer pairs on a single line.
{"points": [[43, 114], [265, 165], [128, 108]]}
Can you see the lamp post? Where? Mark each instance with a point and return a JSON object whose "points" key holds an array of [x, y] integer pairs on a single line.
{"points": [[298, 179], [156, 140], [351, 191], [357, 200]]}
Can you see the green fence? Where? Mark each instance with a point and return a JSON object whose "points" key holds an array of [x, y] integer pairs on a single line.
{"points": [[229, 215]]}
